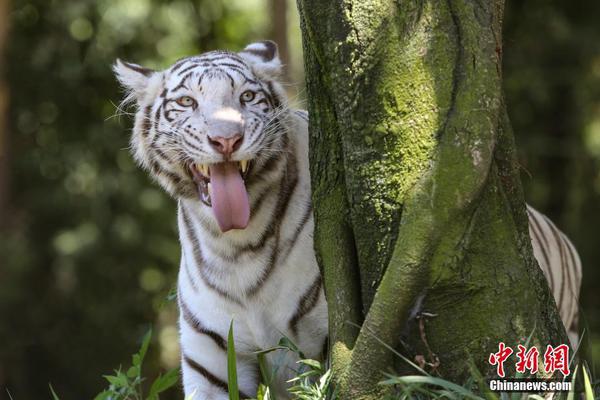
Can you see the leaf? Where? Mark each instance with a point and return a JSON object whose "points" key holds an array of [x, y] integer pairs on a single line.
{"points": [[132, 372], [314, 364], [136, 361], [589, 392], [429, 380], [266, 376], [287, 343], [163, 383], [571, 395], [144, 347], [483, 387], [232, 386], [261, 392], [54, 395], [103, 396], [119, 380]]}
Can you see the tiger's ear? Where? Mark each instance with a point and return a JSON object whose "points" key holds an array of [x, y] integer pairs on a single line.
{"points": [[263, 57], [134, 78]]}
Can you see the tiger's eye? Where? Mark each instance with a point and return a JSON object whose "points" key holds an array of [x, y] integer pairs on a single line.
{"points": [[186, 101], [247, 96]]}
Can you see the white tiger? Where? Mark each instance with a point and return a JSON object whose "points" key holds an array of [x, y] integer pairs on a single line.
{"points": [[215, 131], [561, 266]]}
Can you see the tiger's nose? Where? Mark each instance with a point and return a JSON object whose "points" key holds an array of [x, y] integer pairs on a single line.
{"points": [[226, 145]]}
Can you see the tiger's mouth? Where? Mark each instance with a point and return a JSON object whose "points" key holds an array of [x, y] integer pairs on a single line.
{"points": [[222, 187]]}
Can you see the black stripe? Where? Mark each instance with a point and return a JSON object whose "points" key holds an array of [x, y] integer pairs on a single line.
{"points": [[194, 323], [241, 71], [568, 264], [158, 170], [267, 53], [190, 277], [138, 68], [186, 69], [288, 185], [543, 244], [571, 257], [562, 261], [260, 200], [160, 153], [302, 114], [272, 161], [200, 263], [257, 137], [181, 63], [193, 146], [182, 81], [577, 278], [268, 96], [575, 323], [221, 384], [307, 302], [223, 56], [146, 123], [325, 348], [157, 117], [276, 99]]}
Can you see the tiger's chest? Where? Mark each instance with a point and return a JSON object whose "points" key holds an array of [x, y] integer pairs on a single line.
{"points": [[270, 286]]}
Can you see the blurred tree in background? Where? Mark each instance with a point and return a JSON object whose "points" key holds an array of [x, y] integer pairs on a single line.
{"points": [[88, 245], [552, 84]]}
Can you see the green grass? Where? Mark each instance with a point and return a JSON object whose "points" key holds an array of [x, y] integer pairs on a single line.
{"points": [[232, 385], [127, 384], [313, 380]]}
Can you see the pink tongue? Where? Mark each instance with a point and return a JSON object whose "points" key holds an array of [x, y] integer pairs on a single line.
{"points": [[228, 196]]}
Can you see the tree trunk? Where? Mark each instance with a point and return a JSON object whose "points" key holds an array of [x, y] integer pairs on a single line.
{"points": [[417, 198], [279, 28], [4, 173]]}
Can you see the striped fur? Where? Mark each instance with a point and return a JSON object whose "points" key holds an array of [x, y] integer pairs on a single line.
{"points": [[265, 278], [561, 266]]}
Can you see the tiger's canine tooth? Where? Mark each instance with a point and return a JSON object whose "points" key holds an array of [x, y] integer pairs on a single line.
{"points": [[203, 168], [244, 165]]}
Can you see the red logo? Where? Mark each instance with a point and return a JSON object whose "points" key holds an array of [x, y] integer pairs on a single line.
{"points": [[555, 359], [527, 360], [499, 358]]}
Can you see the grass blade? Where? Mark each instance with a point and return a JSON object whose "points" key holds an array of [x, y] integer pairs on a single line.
{"points": [[266, 376], [232, 385], [589, 392], [483, 387], [571, 395], [429, 380], [54, 395]]}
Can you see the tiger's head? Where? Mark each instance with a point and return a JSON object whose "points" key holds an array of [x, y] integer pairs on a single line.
{"points": [[206, 124]]}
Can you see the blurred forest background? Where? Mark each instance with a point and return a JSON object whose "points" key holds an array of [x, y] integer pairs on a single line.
{"points": [[88, 245]]}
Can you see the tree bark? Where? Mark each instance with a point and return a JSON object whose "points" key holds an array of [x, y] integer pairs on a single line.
{"points": [[417, 198]]}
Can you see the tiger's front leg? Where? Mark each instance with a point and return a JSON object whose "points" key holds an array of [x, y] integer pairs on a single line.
{"points": [[204, 363]]}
